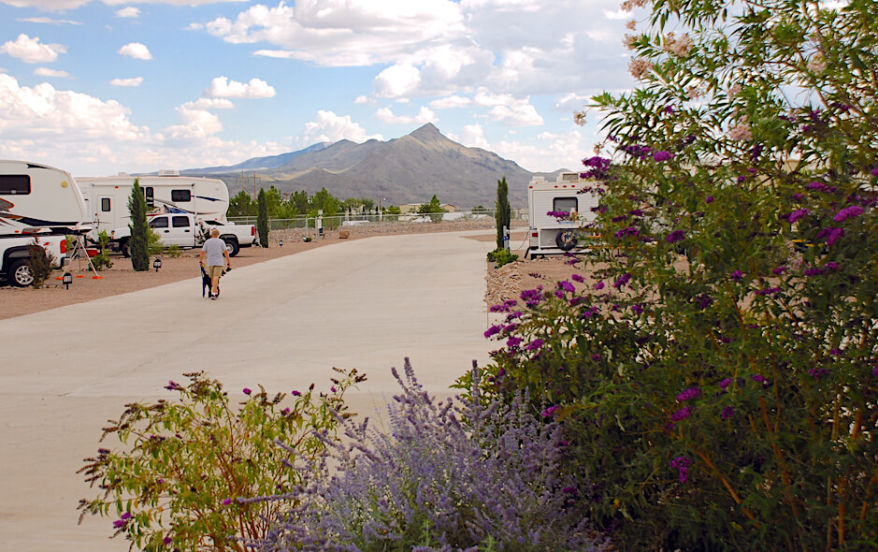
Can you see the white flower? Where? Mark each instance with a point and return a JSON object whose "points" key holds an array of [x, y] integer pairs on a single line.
{"points": [[631, 25], [579, 118], [639, 68], [735, 90], [740, 131], [628, 41], [817, 63]]}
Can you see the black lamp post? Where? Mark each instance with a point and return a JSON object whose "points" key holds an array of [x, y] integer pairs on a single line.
{"points": [[157, 264], [67, 279], [280, 243]]}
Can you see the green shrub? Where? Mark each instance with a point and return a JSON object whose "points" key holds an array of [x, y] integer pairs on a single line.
{"points": [[721, 389], [184, 468], [501, 256], [102, 259], [40, 263], [173, 251], [141, 233]]}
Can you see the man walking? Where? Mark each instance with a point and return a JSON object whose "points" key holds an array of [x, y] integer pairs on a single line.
{"points": [[215, 249]]}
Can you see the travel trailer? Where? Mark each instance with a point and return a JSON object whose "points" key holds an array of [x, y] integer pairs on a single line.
{"points": [[207, 199], [37, 198], [551, 232]]}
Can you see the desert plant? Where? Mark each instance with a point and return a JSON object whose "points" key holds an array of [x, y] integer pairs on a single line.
{"points": [[502, 212], [102, 259], [138, 243], [445, 476], [173, 251], [719, 382], [501, 256], [184, 467], [39, 262], [262, 218]]}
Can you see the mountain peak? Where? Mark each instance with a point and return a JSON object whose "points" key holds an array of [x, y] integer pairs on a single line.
{"points": [[428, 133]]}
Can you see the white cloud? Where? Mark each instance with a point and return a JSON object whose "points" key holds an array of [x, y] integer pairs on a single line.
{"points": [[46, 72], [425, 115], [618, 15], [63, 115], [508, 110], [473, 136], [343, 32], [197, 124], [30, 50], [363, 100], [330, 127], [549, 152], [397, 81], [49, 21], [222, 87], [135, 50], [128, 13], [131, 82], [48, 5], [451, 102], [572, 102]]}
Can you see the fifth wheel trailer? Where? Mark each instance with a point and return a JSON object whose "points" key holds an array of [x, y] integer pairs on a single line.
{"points": [[36, 198]]}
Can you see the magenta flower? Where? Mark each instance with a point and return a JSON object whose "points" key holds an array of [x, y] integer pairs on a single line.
{"points": [[689, 394], [547, 413], [247, 391], [332, 389], [623, 279], [727, 413], [675, 236], [798, 214], [577, 278], [595, 357], [296, 393], [833, 235], [535, 344], [814, 271], [681, 463], [513, 342], [599, 285], [637, 309], [662, 155], [724, 384], [681, 414], [167, 540], [492, 331], [779, 270], [848, 212], [874, 172], [831, 265], [737, 275], [566, 286], [172, 385], [818, 186], [227, 501], [759, 379], [709, 199]]}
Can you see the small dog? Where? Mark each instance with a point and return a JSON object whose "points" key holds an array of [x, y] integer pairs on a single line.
{"points": [[205, 284]]}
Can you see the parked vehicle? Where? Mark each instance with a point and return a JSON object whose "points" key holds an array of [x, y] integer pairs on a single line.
{"points": [[37, 198], [184, 231], [15, 252], [206, 199], [551, 232]]}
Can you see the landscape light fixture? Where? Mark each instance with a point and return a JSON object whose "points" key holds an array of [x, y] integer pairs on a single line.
{"points": [[157, 264], [67, 279], [280, 243]]}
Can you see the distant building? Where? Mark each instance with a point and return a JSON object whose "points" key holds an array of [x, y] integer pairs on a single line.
{"points": [[413, 207]]}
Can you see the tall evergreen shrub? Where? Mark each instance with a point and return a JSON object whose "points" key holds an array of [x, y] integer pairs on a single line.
{"points": [[139, 242], [262, 218], [502, 212]]}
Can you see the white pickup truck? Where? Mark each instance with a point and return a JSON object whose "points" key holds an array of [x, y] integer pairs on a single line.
{"points": [[184, 231], [14, 255]]}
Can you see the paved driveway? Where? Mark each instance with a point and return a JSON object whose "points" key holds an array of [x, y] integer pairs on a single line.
{"points": [[284, 323]]}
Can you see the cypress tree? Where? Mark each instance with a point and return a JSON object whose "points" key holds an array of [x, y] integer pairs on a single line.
{"points": [[262, 218], [502, 211], [139, 240]]}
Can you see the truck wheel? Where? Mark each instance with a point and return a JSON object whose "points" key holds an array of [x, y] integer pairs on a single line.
{"points": [[123, 248], [566, 240], [20, 274], [232, 246]]}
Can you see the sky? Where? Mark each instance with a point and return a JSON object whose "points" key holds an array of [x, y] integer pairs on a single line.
{"points": [[98, 87]]}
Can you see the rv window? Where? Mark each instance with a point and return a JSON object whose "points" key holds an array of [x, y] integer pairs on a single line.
{"points": [[105, 204], [14, 184], [160, 222], [181, 195], [567, 204], [180, 222], [149, 195]]}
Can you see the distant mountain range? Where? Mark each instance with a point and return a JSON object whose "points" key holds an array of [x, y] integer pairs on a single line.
{"points": [[409, 169]]}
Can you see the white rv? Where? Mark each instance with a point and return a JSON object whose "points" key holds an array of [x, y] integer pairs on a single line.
{"points": [[207, 199], [40, 199], [550, 231]]}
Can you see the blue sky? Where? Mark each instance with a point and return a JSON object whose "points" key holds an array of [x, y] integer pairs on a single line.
{"points": [[102, 86]]}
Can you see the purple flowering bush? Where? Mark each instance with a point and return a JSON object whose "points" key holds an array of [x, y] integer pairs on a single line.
{"points": [[722, 392], [446, 475], [183, 468]]}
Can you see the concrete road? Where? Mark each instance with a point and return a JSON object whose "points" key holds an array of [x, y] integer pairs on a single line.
{"points": [[284, 323]]}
